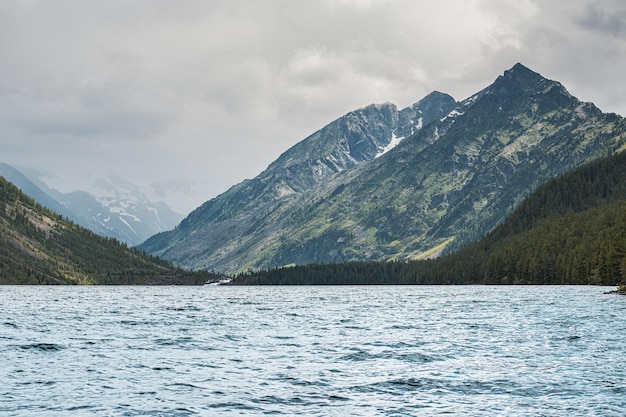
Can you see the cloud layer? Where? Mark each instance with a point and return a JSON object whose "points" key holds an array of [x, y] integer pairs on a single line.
{"points": [[215, 90]]}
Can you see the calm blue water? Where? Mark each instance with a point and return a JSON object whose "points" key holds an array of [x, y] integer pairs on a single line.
{"points": [[313, 351]]}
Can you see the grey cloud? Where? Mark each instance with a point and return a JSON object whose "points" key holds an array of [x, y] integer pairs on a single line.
{"points": [[216, 90], [610, 20], [82, 113]]}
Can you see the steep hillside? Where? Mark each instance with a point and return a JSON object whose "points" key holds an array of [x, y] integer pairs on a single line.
{"points": [[38, 246], [572, 230], [112, 208], [446, 185], [209, 235]]}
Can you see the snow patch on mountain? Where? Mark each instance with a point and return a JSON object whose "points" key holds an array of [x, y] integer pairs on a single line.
{"points": [[395, 140], [128, 225], [112, 206], [454, 113]]}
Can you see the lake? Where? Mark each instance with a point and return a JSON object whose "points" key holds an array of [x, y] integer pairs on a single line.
{"points": [[312, 351]]}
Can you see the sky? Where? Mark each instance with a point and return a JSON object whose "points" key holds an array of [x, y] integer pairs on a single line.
{"points": [[213, 91]]}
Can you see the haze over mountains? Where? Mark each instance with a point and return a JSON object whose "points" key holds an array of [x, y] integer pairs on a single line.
{"points": [[381, 183], [109, 207], [37, 246]]}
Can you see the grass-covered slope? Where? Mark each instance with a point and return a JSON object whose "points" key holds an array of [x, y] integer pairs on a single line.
{"points": [[38, 246], [572, 230]]}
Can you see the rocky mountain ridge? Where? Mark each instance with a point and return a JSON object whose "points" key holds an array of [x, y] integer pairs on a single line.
{"points": [[455, 178], [357, 137]]}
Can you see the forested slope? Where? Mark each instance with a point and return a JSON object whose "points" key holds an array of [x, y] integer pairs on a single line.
{"points": [[572, 230], [37, 246]]}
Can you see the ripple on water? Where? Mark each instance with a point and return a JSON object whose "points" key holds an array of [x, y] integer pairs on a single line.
{"points": [[376, 351], [42, 347]]}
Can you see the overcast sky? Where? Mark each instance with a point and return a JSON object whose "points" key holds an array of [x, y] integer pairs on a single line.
{"points": [[214, 91]]}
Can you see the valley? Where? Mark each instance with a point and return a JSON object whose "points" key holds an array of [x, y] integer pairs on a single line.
{"points": [[419, 195]]}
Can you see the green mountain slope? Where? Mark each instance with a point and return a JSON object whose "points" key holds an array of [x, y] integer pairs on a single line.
{"points": [[418, 202], [572, 230], [235, 230], [38, 246], [446, 185]]}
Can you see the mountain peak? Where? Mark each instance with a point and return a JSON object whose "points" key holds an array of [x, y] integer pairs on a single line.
{"points": [[518, 85], [520, 69], [458, 170], [436, 94], [524, 77]]}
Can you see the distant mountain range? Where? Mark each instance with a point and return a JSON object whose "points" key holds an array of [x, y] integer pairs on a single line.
{"points": [[386, 184], [111, 207]]}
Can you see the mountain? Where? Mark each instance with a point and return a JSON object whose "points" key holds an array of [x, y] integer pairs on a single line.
{"points": [[357, 137], [119, 209], [571, 231], [446, 184], [37, 246], [110, 207]]}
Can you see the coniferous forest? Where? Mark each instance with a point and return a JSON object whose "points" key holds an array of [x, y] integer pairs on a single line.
{"points": [[572, 230], [37, 246]]}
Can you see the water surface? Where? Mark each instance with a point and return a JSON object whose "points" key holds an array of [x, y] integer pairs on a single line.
{"points": [[314, 351]]}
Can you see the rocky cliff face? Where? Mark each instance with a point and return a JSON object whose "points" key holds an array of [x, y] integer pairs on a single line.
{"points": [[346, 193]]}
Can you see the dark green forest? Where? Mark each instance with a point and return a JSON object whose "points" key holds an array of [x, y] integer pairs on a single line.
{"points": [[38, 246], [571, 230]]}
